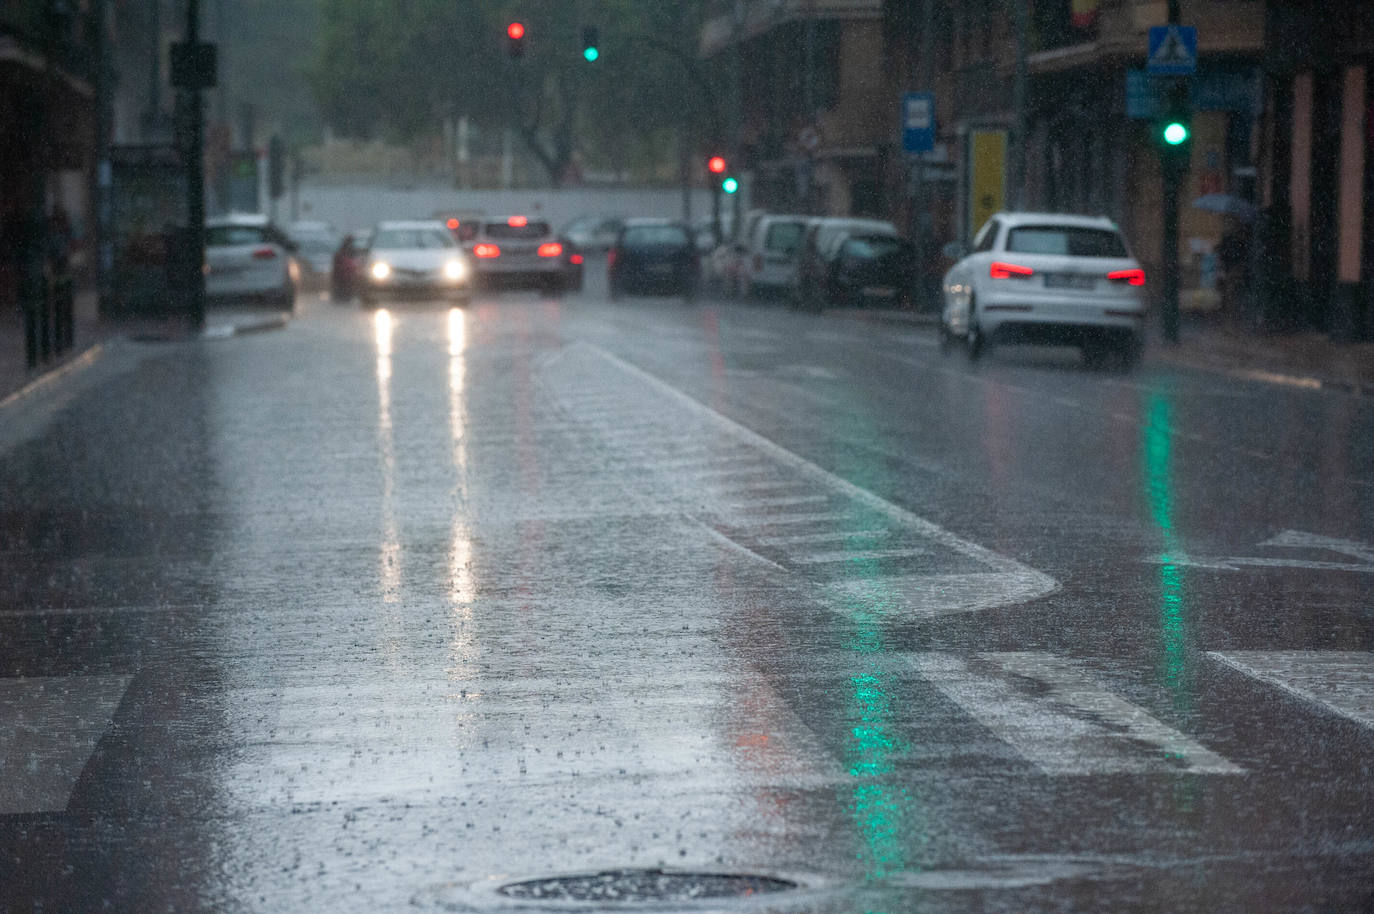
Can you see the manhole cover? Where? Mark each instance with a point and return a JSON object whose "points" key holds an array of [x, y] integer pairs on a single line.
{"points": [[644, 885]]}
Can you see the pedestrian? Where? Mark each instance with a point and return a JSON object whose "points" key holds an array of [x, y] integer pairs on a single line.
{"points": [[1233, 260], [344, 268]]}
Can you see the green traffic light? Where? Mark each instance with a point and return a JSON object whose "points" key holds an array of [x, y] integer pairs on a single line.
{"points": [[729, 185], [1175, 134], [591, 54]]}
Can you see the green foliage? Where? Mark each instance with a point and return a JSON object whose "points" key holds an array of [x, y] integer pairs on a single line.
{"points": [[400, 67]]}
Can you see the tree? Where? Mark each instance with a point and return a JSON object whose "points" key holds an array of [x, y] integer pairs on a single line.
{"points": [[403, 66]]}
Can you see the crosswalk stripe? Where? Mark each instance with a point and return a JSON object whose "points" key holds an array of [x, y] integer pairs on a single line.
{"points": [[831, 536], [1068, 724], [49, 726], [1342, 682], [790, 502], [862, 555]]}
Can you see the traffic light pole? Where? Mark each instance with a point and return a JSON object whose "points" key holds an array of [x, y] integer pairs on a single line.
{"points": [[1173, 179], [1168, 308], [195, 182]]}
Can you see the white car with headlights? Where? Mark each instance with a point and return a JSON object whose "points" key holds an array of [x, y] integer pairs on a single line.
{"points": [[417, 259], [1046, 278], [249, 259]]}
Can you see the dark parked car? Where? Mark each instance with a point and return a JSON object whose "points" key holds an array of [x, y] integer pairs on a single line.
{"points": [[875, 269], [653, 256]]}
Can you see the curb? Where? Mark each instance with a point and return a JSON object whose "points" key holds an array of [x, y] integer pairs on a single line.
{"points": [[242, 328], [905, 318], [75, 363], [1278, 378]]}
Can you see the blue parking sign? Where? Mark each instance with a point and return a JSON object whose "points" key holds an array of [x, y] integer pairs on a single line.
{"points": [[918, 122]]}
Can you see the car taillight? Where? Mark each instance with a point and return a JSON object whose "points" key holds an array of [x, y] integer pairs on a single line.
{"points": [[486, 251], [1000, 270], [518, 221], [575, 259], [552, 249], [265, 254], [1132, 277]]}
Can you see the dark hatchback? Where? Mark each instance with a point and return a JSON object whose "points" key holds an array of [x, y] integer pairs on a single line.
{"points": [[653, 256], [872, 270]]}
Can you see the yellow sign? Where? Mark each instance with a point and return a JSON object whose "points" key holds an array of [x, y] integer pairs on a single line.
{"points": [[987, 176]]}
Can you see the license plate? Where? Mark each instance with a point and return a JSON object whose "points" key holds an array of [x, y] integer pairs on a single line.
{"points": [[879, 291], [1069, 281]]}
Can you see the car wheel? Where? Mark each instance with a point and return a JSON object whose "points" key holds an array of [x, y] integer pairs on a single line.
{"points": [[1131, 352], [946, 339], [977, 345], [1095, 353]]}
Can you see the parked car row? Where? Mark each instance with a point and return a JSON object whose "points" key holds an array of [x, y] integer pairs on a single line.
{"points": [[816, 262]]}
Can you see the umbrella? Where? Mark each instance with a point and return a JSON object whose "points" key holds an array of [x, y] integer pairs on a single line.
{"points": [[1228, 205]]}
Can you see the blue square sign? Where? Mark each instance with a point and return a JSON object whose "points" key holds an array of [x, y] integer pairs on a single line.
{"points": [[918, 122], [1172, 50]]}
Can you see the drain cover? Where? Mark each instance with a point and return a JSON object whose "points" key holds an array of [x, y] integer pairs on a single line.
{"points": [[644, 885]]}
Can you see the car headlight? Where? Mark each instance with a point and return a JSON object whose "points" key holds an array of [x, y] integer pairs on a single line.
{"points": [[381, 270], [455, 269]]}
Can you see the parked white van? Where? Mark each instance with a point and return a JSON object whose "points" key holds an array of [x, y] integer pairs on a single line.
{"points": [[770, 257]]}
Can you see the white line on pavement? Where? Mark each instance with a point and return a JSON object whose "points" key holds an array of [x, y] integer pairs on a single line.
{"points": [[1341, 682], [1067, 724]]}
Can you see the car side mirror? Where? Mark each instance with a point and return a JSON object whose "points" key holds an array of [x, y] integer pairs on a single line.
{"points": [[955, 250]]}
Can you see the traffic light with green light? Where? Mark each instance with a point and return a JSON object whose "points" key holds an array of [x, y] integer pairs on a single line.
{"points": [[1174, 128], [730, 185], [591, 44]]}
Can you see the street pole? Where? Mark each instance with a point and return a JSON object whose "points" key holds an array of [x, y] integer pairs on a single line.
{"points": [[1169, 281], [195, 182], [920, 204], [1173, 176], [104, 243], [1017, 165]]}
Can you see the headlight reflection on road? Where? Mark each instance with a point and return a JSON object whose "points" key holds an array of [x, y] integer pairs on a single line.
{"points": [[461, 589], [390, 552]]}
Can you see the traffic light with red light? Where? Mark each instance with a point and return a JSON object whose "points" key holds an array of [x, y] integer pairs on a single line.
{"points": [[716, 165], [515, 39]]}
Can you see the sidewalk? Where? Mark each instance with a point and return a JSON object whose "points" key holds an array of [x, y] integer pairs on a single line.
{"points": [[91, 332], [1308, 360]]}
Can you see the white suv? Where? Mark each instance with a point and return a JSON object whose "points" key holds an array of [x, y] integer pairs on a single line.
{"points": [[1046, 278]]}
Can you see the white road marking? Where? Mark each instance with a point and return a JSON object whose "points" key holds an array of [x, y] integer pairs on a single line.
{"points": [[780, 502], [827, 537], [49, 727], [1288, 539], [1000, 581], [783, 520], [1297, 539], [868, 555], [1341, 682], [734, 546], [1067, 724]]}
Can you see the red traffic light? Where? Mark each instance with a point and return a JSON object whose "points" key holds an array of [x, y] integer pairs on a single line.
{"points": [[516, 31], [716, 165]]}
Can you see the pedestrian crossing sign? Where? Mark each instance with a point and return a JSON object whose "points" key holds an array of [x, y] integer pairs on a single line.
{"points": [[1172, 50]]}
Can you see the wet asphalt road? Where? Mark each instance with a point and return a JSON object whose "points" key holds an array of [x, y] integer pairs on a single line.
{"points": [[386, 611]]}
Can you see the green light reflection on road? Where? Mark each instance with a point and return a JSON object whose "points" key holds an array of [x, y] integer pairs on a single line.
{"points": [[884, 812], [1159, 490]]}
